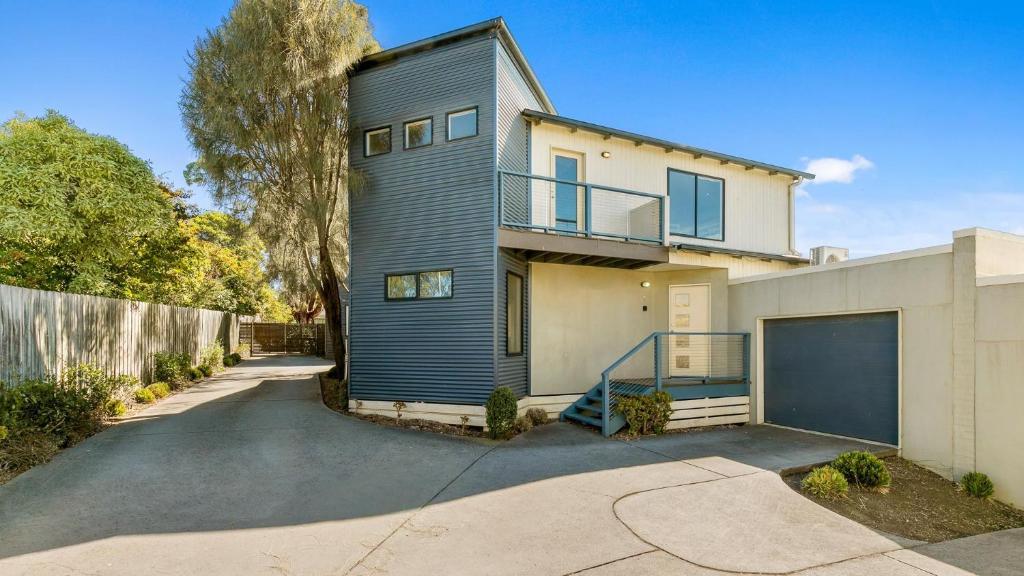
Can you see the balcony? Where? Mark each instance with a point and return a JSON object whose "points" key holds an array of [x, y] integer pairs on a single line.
{"points": [[564, 221]]}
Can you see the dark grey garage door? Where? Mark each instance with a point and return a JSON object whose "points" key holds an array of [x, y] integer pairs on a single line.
{"points": [[835, 374]]}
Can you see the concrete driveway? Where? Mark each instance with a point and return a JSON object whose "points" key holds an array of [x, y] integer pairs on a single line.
{"points": [[249, 473]]}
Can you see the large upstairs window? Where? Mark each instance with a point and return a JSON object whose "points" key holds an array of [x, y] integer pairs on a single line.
{"points": [[696, 205]]}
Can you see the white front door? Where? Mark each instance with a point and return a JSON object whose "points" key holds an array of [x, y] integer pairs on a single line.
{"points": [[688, 312]]}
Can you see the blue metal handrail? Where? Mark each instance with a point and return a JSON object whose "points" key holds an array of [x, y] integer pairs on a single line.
{"points": [[606, 392], [588, 228]]}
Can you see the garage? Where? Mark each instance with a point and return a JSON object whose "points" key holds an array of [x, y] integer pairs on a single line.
{"points": [[834, 374]]}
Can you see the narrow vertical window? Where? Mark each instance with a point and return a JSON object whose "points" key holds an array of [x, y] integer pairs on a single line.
{"points": [[462, 124], [377, 141], [514, 314], [419, 133]]}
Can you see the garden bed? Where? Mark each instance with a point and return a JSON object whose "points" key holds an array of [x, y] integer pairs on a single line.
{"points": [[920, 505]]}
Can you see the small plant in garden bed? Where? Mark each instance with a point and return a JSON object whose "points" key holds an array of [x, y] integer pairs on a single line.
{"points": [[646, 414], [171, 367], [144, 396], [212, 356], [501, 409], [399, 406], [205, 370], [863, 469], [194, 373], [115, 407], [977, 484], [159, 389], [826, 483]]}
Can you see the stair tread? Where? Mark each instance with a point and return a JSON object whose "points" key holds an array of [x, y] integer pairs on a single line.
{"points": [[585, 419]]}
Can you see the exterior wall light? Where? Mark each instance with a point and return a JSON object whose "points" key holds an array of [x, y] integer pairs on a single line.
{"points": [[606, 154], [645, 284]]}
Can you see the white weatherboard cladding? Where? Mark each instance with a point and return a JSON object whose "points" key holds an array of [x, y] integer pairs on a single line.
{"points": [[757, 217]]}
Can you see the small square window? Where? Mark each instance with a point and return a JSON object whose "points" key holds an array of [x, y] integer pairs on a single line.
{"points": [[377, 141], [682, 361], [401, 286], [462, 124], [436, 284], [419, 133]]}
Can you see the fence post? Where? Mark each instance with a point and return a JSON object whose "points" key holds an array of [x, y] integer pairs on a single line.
{"points": [[284, 327], [587, 209]]}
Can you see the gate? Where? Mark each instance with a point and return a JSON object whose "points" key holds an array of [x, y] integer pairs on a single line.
{"points": [[277, 337]]}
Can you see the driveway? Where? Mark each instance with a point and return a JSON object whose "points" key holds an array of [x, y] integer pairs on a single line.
{"points": [[248, 473]]}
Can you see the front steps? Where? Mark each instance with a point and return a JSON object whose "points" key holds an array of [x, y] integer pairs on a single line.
{"points": [[589, 409]]}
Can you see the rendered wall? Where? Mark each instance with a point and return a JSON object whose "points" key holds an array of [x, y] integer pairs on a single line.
{"points": [[583, 318], [999, 381]]}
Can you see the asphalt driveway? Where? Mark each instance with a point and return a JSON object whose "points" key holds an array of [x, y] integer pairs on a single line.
{"points": [[249, 473]]}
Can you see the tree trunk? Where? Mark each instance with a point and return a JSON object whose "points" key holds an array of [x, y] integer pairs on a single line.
{"points": [[332, 308]]}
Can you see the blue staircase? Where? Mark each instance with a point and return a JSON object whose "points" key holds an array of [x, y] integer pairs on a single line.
{"points": [[589, 409]]}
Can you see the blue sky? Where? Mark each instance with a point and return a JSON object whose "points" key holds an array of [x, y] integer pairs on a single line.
{"points": [[912, 112]]}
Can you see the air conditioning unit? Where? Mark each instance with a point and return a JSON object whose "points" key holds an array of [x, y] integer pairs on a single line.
{"points": [[828, 255]]}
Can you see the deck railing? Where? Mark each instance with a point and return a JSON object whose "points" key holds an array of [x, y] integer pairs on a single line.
{"points": [[546, 204], [686, 364]]}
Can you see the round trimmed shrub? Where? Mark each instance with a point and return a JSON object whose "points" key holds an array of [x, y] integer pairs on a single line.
{"points": [[144, 396], [826, 483], [501, 410], [115, 407], [863, 469], [206, 370], [537, 416], [194, 373], [159, 389], [977, 484], [523, 424]]}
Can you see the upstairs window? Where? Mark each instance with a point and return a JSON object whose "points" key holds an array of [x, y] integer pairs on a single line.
{"points": [[377, 141], [696, 205], [418, 285], [462, 124], [419, 133]]}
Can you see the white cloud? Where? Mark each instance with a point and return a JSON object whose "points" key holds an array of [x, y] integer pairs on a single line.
{"points": [[828, 169]]}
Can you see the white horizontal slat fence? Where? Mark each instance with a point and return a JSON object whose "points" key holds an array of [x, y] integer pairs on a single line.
{"points": [[43, 332]]}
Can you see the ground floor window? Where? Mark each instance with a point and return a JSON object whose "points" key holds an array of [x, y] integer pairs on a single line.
{"points": [[514, 314]]}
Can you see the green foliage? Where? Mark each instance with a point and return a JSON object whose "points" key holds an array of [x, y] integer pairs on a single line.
{"points": [[69, 407], [79, 212], [194, 373], [977, 484], [863, 469], [144, 396], [537, 416], [115, 407], [236, 357], [229, 361], [3, 433], [244, 350], [159, 389], [171, 367], [826, 483], [501, 411], [205, 369], [212, 356], [646, 414]]}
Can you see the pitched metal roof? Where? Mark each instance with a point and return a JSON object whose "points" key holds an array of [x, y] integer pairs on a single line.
{"points": [[494, 26], [539, 116]]}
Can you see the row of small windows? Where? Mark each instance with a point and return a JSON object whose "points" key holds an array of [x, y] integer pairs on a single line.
{"points": [[420, 132], [419, 285]]}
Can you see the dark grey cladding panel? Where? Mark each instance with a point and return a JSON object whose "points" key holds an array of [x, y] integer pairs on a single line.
{"points": [[423, 209]]}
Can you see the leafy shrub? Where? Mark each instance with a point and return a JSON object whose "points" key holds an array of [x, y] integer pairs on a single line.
{"points": [[27, 449], [523, 424], [977, 484], [537, 416], [236, 357], [194, 373], [501, 410], [3, 433], [171, 367], [646, 414], [70, 407], [826, 483], [205, 370], [244, 350], [212, 356], [159, 389], [863, 469], [115, 407], [229, 361], [144, 396]]}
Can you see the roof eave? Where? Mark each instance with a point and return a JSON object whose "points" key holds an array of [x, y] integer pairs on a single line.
{"points": [[772, 169]]}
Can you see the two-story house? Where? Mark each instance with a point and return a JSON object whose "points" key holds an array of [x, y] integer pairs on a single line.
{"points": [[501, 244]]}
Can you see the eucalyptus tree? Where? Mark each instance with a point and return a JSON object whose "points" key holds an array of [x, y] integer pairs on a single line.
{"points": [[266, 107]]}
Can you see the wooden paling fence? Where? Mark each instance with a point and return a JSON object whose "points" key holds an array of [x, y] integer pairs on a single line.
{"points": [[43, 332], [277, 337]]}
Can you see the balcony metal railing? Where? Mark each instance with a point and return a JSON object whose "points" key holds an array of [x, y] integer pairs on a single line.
{"points": [[546, 204], [686, 364]]}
